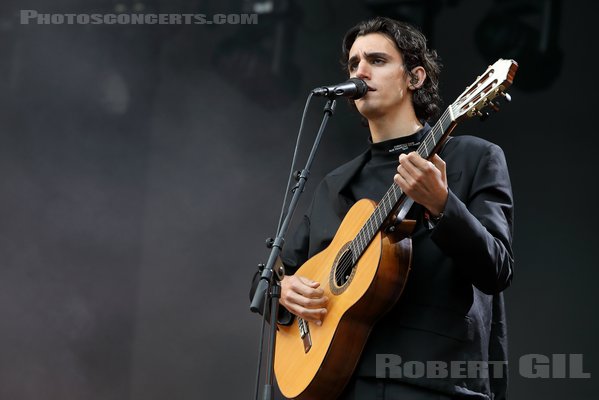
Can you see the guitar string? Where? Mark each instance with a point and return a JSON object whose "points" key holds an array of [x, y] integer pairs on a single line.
{"points": [[362, 236]]}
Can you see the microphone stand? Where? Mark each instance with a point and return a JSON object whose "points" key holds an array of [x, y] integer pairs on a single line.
{"points": [[269, 286]]}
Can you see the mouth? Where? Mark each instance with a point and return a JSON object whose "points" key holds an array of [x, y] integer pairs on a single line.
{"points": [[370, 89]]}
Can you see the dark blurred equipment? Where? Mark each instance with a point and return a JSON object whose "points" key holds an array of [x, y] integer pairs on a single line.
{"points": [[258, 58], [527, 31], [420, 13]]}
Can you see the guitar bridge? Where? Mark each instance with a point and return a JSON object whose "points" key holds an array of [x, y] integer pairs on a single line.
{"points": [[304, 329]]}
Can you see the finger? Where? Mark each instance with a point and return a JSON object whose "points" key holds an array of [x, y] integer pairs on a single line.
{"points": [[407, 160], [315, 316], [425, 167], [307, 288], [290, 302], [308, 313], [409, 174], [399, 180], [418, 161], [410, 169], [296, 302], [403, 184], [428, 169], [308, 302], [309, 282], [439, 163]]}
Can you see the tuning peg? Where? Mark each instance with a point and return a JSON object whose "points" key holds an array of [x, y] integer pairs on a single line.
{"points": [[494, 105], [483, 115], [507, 96]]}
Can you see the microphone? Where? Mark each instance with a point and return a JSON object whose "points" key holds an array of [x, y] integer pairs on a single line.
{"points": [[353, 88]]}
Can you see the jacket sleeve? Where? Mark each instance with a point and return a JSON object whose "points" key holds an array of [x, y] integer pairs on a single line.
{"points": [[477, 233]]}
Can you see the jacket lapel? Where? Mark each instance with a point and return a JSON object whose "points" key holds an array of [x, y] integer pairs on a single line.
{"points": [[338, 181]]}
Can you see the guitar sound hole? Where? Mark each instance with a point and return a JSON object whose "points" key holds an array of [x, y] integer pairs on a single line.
{"points": [[344, 267]]}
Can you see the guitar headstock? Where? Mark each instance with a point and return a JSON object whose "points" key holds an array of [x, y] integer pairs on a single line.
{"points": [[492, 83]]}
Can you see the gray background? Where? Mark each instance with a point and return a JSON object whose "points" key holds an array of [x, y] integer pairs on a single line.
{"points": [[137, 185]]}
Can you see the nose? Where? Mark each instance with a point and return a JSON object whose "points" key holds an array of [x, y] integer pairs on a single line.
{"points": [[362, 70]]}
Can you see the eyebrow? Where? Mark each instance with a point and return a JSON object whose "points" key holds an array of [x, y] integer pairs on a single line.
{"points": [[368, 56]]}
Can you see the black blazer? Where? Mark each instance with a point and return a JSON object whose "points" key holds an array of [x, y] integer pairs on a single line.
{"points": [[452, 307]]}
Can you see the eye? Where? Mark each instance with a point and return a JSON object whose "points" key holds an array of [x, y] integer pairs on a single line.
{"points": [[378, 61]]}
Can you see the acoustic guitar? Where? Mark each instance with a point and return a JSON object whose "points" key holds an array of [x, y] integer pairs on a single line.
{"points": [[364, 269]]}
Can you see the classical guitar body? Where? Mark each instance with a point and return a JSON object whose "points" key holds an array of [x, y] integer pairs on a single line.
{"points": [[319, 365]]}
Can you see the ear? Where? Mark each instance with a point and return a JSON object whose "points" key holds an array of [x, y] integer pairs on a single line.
{"points": [[417, 77]]}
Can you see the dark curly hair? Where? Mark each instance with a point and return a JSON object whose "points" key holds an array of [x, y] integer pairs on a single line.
{"points": [[412, 45]]}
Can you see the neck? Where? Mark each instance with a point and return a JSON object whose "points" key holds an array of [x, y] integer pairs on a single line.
{"points": [[393, 126]]}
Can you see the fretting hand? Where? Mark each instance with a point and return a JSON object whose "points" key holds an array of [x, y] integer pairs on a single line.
{"points": [[423, 181]]}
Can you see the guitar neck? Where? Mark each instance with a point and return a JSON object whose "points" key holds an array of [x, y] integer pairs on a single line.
{"points": [[394, 197]]}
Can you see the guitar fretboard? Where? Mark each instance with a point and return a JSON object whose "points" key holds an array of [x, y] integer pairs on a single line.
{"points": [[394, 195]]}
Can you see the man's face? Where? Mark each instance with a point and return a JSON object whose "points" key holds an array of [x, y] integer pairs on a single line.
{"points": [[375, 59]]}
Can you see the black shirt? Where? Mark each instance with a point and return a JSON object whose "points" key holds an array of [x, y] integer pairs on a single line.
{"points": [[376, 176]]}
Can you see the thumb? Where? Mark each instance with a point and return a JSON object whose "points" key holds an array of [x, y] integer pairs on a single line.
{"points": [[440, 165]]}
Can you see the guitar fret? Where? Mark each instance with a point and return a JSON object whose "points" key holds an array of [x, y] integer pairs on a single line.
{"points": [[361, 240], [425, 148], [379, 216]]}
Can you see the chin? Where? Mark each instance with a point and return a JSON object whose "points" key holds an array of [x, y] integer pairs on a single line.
{"points": [[363, 105], [368, 111]]}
